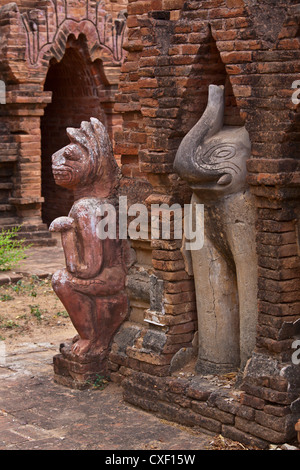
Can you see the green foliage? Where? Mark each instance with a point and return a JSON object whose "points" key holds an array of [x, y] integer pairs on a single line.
{"points": [[8, 324], [99, 383], [6, 297], [11, 250], [17, 287], [63, 313], [36, 311], [24, 287]]}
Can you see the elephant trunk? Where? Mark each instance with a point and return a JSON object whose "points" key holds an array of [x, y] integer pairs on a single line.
{"points": [[210, 123]]}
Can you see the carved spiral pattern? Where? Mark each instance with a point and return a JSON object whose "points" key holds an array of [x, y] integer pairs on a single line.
{"points": [[217, 158]]}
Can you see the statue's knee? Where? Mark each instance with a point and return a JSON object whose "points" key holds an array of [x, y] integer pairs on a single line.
{"points": [[55, 281], [59, 280]]}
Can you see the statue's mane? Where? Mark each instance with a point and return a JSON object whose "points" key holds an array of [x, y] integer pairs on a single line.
{"points": [[93, 138]]}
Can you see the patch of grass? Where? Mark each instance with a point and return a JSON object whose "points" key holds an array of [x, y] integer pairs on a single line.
{"points": [[99, 383], [30, 305], [8, 324], [29, 286], [36, 311], [6, 298], [17, 287], [63, 314], [11, 250]]}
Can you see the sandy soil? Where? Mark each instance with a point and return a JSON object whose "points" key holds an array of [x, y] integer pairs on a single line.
{"points": [[31, 312]]}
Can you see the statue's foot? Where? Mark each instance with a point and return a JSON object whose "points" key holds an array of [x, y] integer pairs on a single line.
{"points": [[82, 346]]}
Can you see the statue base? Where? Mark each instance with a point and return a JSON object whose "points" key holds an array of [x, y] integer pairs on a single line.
{"points": [[204, 367], [78, 372]]}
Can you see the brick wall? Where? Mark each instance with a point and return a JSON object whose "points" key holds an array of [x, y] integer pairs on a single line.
{"points": [[175, 49], [32, 36]]}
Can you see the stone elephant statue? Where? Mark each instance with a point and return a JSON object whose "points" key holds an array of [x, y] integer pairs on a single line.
{"points": [[212, 159]]}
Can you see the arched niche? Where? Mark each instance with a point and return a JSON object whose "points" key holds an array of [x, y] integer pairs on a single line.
{"points": [[79, 91], [207, 69]]}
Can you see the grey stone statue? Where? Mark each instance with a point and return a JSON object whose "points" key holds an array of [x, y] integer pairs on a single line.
{"points": [[212, 159]]}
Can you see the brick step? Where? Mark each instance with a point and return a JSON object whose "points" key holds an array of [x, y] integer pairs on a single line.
{"points": [[25, 228], [41, 242], [7, 222], [34, 234]]}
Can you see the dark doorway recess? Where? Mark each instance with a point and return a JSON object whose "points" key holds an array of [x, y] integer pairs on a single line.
{"points": [[76, 84]]}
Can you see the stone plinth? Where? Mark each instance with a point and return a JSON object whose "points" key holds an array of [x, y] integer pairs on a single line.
{"points": [[78, 372], [255, 415]]}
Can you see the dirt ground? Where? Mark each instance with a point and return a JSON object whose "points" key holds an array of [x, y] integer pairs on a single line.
{"points": [[31, 312]]}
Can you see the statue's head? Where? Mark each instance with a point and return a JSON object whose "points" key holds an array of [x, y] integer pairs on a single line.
{"points": [[87, 160], [212, 157]]}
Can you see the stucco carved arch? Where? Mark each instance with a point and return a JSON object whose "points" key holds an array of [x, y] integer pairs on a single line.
{"points": [[43, 35]]}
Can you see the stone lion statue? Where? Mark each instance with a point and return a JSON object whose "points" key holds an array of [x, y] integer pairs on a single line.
{"points": [[92, 287]]}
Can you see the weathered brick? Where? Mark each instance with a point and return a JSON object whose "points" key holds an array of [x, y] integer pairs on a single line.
{"points": [[174, 50]]}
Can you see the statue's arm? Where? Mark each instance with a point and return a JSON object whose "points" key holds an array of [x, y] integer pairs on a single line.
{"points": [[90, 246], [82, 247], [66, 226]]}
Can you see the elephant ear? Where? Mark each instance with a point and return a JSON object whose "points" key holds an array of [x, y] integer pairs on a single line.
{"points": [[209, 124]]}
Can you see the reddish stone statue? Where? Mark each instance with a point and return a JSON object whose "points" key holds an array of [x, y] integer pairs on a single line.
{"points": [[92, 287]]}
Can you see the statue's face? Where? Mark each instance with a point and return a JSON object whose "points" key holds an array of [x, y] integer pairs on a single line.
{"points": [[219, 164], [70, 166]]}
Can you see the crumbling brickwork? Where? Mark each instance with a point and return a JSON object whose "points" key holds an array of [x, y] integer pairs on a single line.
{"points": [[175, 49], [66, 55]]}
